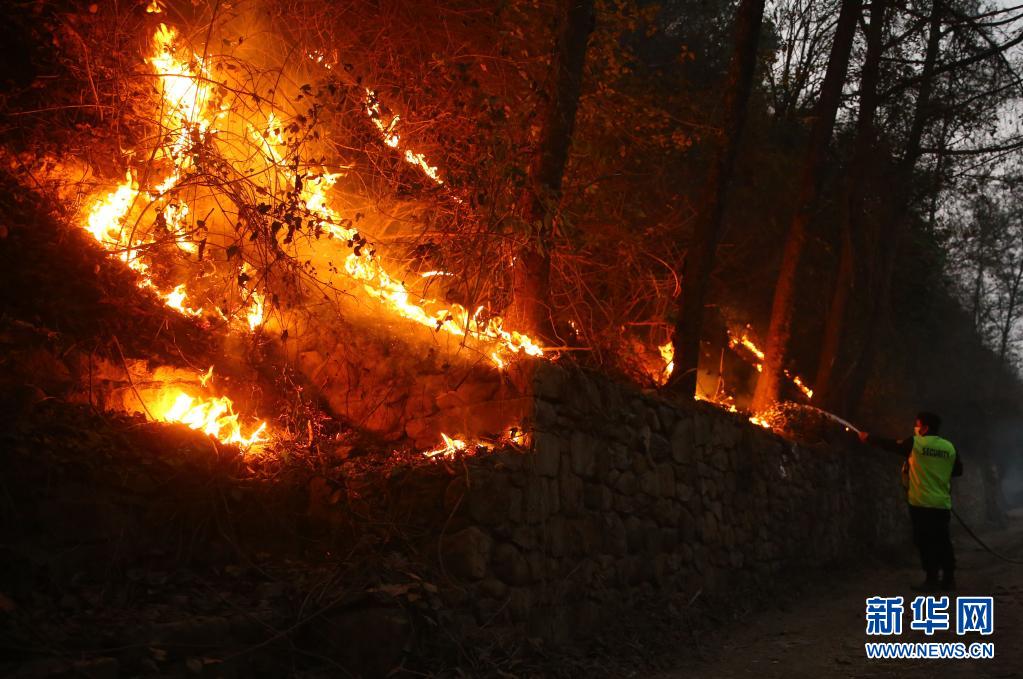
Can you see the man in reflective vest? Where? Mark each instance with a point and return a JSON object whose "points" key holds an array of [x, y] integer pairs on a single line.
{"points": [[931, 462]]}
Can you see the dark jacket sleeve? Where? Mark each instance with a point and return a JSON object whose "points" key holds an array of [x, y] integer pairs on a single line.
{"points": [[902, 447]]}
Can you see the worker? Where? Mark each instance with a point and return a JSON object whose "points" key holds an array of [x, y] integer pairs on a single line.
{"points": [[930, 463]]}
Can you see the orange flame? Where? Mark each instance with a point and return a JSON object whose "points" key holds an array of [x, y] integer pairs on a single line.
{"points": [[668, 355], [254, 316], [379, 283], [450, 448], [193, 103], [212, 416], [735, 340], [389, 131], [745, 341]]}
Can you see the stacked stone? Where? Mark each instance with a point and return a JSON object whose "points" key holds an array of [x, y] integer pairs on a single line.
{"points": [[625, 494]]}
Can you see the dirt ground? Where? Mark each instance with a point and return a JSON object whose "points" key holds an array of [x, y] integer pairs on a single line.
{"points": [[820, 631]]}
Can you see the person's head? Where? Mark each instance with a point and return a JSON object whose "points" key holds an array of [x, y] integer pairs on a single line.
{"points": [[927, 424]]}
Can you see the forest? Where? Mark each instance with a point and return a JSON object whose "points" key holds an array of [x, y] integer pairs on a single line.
{"points": [[336, 239]]}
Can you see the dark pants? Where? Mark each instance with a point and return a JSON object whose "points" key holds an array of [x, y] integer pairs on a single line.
{"points": [[930, 534]]}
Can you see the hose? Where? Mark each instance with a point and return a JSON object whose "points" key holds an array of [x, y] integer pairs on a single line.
{"points": [[984, 544], [851, 427]]}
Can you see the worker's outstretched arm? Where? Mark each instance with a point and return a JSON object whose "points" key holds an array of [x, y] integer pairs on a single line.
{"points": [[901, 447]]}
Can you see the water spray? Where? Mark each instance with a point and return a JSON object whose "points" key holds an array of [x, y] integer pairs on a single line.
{"points": [[849, 426]]}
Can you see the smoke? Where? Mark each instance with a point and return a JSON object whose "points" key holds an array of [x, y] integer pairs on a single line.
{"points": [[1007, 455]]}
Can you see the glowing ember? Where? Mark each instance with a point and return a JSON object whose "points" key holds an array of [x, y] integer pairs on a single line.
{"points": [[796, 380]]}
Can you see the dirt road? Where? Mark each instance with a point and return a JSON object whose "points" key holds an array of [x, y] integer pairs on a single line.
{"points": [[821, 631]]}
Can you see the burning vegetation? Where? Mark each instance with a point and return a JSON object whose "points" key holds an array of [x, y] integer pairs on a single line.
{"points": [[229, 208], [278, 206], [277, 186], [326, 259], [274, 184]]}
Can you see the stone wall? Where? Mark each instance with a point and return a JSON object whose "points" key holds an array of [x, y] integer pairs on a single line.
{"points": [[625, 494]]}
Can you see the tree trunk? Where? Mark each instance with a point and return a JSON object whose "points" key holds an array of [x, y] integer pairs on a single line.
{"points": [[780, 329], [700, 259], [898, 202], [529, 310], [978, 288], [853, 225], [1010, 311]]}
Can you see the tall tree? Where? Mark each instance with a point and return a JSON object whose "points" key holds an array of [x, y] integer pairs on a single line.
{"points": [[1009, 303], [780, 329], [700, 258], [853, 225], [531, 272], [897, 203]]}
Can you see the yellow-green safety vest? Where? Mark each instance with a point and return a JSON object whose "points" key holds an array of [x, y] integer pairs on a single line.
{"points": [[929, 472]]}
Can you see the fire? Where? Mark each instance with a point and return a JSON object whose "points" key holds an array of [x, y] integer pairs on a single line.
{"points": [[450, 448], [185, 94], [187, 90], [104, 220], [796, 380], [745, 341], [175, 299], [363, 265], [212, 416], [668, 354], [735, 340], [455, 320], [255, 313], [194, 106], [389, 132], [106, 223]]}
